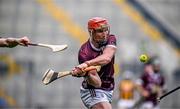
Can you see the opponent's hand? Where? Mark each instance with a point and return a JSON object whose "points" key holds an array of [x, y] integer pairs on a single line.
{"points": [[23, 41], [77, 72]]}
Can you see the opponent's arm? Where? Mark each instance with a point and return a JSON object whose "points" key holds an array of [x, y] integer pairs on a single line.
{"points": [[12, 42], [3, 42], [93, 78]]}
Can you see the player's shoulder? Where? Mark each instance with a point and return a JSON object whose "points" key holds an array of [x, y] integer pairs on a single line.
{"points": [[85, 45], [111, 40], [112, 36]]}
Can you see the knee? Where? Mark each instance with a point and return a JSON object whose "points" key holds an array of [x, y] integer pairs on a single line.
{"points": [[102, 106]]}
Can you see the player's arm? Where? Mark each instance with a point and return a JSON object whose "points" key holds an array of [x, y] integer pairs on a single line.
{"points": [[93, 78], [105, 58], [162, 88], [140, 89]]}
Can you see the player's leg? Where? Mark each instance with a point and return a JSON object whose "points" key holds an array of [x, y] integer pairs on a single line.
{"points": [[102, 105], [122, 104]]}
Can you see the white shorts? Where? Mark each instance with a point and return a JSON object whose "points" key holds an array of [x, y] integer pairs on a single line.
{"points": [[125, 104], [91, 97], [148, 105]]}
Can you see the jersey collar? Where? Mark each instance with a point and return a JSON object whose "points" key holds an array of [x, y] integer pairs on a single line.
{"points": [[96, 49]]}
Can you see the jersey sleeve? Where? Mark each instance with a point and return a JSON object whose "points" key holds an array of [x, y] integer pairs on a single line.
{"points": [[112, 41]]}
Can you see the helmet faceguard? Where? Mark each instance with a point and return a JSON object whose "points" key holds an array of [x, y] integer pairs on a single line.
{"points": [[98, 25]]}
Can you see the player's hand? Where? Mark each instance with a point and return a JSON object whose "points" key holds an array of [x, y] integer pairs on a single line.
{"points": [[23, 41], [145, 93], [77, 72], [82, 66], [155, 89]]}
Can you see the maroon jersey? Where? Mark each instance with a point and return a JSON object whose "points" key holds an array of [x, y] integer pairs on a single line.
{"points": [[150, 80], [88, 52]]}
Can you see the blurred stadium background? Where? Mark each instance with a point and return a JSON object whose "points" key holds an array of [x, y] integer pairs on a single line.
{"points": [[141, 26]]}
